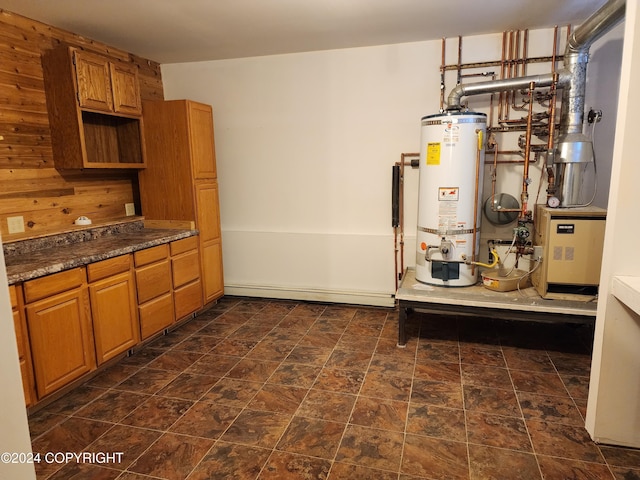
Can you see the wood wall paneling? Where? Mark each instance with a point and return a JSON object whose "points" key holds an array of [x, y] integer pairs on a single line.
{"points": [[50, 200]]}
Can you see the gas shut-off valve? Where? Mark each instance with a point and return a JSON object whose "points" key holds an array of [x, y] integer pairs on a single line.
{"points": [[446, 248]]}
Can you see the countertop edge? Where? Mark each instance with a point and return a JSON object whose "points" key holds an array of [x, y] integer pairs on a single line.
{"points": [[80, 261]]}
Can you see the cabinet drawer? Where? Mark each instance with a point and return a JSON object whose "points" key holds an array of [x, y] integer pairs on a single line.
{"points": [[107, 268], [153, 281], [156, 315], [188, 299], [150, 255], [185, 268], [13, 296], [53, 284], [184, 245]]}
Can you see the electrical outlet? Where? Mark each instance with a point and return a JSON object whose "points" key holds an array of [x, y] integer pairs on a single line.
{"points": [[130, 209], [15, 224]]}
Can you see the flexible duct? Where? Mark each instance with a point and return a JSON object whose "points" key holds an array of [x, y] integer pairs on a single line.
{"points": [[576, 57], [573, 148]]}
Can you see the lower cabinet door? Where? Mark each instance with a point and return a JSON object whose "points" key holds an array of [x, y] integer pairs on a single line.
{"points": [[61, 339], [212, 276], [115, 316], [156, 315]]}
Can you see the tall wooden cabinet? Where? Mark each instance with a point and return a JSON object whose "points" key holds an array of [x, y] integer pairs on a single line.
{"points": [[180, 181]]}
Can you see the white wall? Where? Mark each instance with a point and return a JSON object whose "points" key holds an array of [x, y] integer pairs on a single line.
{"points": [[305, 144], [14, 430], [613, 411]]}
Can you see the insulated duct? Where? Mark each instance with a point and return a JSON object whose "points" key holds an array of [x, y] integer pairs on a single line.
{"points": [[573, 148]]}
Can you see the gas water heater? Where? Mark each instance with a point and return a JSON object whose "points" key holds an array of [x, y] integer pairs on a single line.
{"points": [[449, 198]]}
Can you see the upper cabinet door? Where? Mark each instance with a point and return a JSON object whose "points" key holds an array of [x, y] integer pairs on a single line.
{"points": [[201, 139], [126, 89], [94, 82]]}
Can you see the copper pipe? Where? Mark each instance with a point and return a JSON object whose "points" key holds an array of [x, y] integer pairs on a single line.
{"points": [[497, 63], [552, 112], [475, 201], [505, 152], [494, 178], [519, 62], [551, 141], [527, 153], [525, 52], [494, 175], [525, 173], [401, 164], [517, 54], [502, 70], [442, 70], [509, 93], [520, 65], [551, 181], [491, 98], [555, 48]]}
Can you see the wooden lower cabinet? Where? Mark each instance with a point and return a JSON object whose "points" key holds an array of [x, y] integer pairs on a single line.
{"points": [[113, 307], [69, 323], [185, 274], [213, 280], [22, 340], [60, 331], [210, 240], [156, 315], [155, 296]]}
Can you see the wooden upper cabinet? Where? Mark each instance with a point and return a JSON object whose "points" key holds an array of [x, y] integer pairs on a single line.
{"points": [[106, 86], [203, 153], [126, 89], [94, 82], [95, 110]]}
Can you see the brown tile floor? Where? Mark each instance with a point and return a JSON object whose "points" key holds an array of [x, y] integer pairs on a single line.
{"points": [[259, 389]]}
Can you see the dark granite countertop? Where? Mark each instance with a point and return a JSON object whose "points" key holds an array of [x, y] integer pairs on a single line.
{"points": [[31, 259]]}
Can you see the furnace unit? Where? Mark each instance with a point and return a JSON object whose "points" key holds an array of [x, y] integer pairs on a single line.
{"points": [[572, 241]]}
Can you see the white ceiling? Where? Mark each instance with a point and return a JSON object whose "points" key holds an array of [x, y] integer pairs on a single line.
{"points": [[173, 31]]}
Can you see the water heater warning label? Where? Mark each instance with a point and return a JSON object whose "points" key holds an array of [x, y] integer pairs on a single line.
{"points": [[448, 194], [433, 153]]}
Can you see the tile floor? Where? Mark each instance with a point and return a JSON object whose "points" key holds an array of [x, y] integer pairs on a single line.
{"points": [[260, 389]]}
